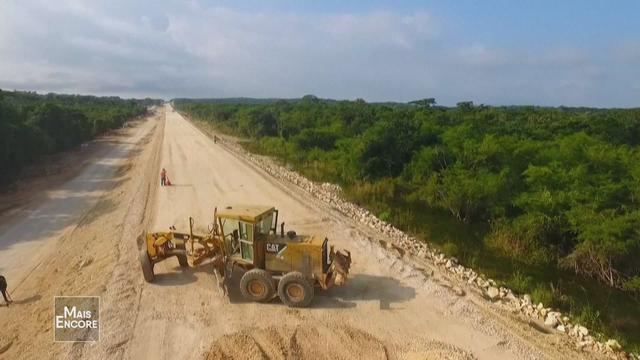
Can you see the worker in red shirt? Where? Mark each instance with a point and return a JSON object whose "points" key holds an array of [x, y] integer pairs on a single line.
{"points": [[163, 177]]}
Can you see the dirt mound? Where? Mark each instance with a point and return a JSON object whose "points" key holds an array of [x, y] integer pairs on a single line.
{"points": [[300, 342], [320, 342], [437, 351]]}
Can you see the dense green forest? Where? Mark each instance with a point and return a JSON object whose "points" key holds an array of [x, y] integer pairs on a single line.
{"points": [[545, 200], [33, 125]]}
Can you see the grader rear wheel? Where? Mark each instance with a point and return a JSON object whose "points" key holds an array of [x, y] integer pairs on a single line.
{"points": [[295, 290], [257, 285], [147, 266]]}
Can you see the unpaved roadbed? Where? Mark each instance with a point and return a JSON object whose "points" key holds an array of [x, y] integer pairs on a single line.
{"points": [[390, 308], [182, 314], [81, 259]]}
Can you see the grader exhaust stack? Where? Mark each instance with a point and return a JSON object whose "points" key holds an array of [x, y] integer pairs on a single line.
{"points": [[244, 237]]}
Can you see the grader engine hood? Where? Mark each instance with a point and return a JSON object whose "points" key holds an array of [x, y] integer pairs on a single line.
{"points": [[310, 255], [290, 253]]}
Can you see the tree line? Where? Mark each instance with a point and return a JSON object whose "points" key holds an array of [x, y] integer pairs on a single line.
{"points": [[33, 125], [543, 192]]}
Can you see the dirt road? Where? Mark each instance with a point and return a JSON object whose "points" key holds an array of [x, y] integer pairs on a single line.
{"points": [[27, 237], [388, 309], [182, 314], [68, 241]]}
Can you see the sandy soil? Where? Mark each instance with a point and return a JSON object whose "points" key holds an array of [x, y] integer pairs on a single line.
{"points": [[390, 308], [182, 313], [27, 239], [68, 241]]}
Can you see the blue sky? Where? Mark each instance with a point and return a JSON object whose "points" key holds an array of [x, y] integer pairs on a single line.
{"points": [[575, 53]]}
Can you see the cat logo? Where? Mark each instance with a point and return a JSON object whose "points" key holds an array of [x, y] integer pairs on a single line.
{"points": [[276, 248]]}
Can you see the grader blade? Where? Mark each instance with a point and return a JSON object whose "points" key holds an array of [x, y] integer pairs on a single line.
{"points": [[219, 270]]}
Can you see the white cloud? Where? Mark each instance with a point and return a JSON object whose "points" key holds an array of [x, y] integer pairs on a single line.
{"points": [[480, 55], [191, 49]]}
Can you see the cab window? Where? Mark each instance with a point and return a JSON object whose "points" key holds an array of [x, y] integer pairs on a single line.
{"points": [[265, 225], [239, 237], [246, 240], [245, 231]]}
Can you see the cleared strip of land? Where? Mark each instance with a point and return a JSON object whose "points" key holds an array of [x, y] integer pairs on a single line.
{"points": [[389, 309]]}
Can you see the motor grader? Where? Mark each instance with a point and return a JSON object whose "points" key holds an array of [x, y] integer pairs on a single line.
{"points": [[245, 237]]}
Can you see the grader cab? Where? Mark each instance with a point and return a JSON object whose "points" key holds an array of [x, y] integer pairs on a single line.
{"points": [[246, 237]]}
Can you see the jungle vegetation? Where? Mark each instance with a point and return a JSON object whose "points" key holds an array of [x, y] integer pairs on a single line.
{"points": [[33, 125], [544, 200]]}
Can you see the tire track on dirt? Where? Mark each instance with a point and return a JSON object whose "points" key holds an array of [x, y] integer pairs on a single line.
{"points": [[81, 259], [121, 300]]}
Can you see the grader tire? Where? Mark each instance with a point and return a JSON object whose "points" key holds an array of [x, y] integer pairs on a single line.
{"points": [[295, 290], [182, 259], [147, 266], [257, 285]]}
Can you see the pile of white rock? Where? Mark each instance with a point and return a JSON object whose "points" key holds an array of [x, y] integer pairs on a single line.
{"points": [[405, 244]]}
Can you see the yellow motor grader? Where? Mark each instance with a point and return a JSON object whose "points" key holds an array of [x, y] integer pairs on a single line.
{"points": [[245, 236]]}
